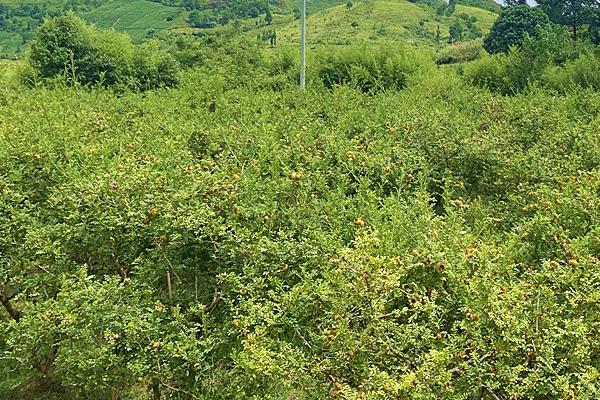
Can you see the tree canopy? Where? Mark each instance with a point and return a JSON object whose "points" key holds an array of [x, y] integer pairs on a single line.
{"points": [[573, 13], [512, 26], [66, 47]]}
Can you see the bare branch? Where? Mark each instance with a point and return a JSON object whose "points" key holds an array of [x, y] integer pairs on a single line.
{"points": [[14, 313]]}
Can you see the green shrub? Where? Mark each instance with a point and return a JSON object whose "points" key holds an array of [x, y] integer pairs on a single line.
{"points": [[61, 46], [151, 69], [512, 27], [66, 48], [583, 72], [488, 72], [523, 67], [460, 53], [369, 70]]}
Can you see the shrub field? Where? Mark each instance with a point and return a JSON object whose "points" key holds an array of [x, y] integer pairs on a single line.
{"points": [[179, 221], [224, 240]]}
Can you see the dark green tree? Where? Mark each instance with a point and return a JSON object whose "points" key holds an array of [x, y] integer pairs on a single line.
{"points": [[456, 31], [59, 45], [67, 47], [451, 7], [572, 13], [512, 26]]}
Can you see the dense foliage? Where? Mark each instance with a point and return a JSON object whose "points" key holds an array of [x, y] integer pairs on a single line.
{"points": [[208, 14], [391, 233], [65, 47], [512, 26], [551, 60], [573, 13], [398, 231], [366, 69]]}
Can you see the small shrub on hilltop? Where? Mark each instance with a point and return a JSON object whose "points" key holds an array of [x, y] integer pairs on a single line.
{"points": [[460, 53], [369, 70], [66, 48]]}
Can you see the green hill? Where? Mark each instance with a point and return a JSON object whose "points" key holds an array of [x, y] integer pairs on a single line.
{"points": [[139, 18], [330, 21], [385, 20]]}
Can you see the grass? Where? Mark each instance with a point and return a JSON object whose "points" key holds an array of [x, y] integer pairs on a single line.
{"points": [[485, 18]]}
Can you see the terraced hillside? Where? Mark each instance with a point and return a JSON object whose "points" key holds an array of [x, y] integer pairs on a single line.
{"points": [[139, 18]]}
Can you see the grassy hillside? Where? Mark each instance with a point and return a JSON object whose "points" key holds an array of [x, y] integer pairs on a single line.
{"points": [[330, 21], [9, 43], [139, 18], [376, 21]]}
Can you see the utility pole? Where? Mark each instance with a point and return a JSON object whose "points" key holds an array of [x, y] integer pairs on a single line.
{"points": [[303, 46]]}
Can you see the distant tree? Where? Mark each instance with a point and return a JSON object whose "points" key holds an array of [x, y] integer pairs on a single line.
{"points": [[349, 4], [451, 7], [268, 17], [254, 12], [66, 47], [594, 29], [572, 13], [456, 30], [512, 26]]}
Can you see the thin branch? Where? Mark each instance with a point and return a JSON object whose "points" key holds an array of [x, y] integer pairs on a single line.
{"points": [[14, 313], [215, 302], [492, 395], [479, 394], [169, 289], [297, 331]]}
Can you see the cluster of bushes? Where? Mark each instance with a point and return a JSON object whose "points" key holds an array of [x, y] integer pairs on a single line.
{"points": [[68, 49], [435, 242], [550, 59], [208, 14], [369, 69]]}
